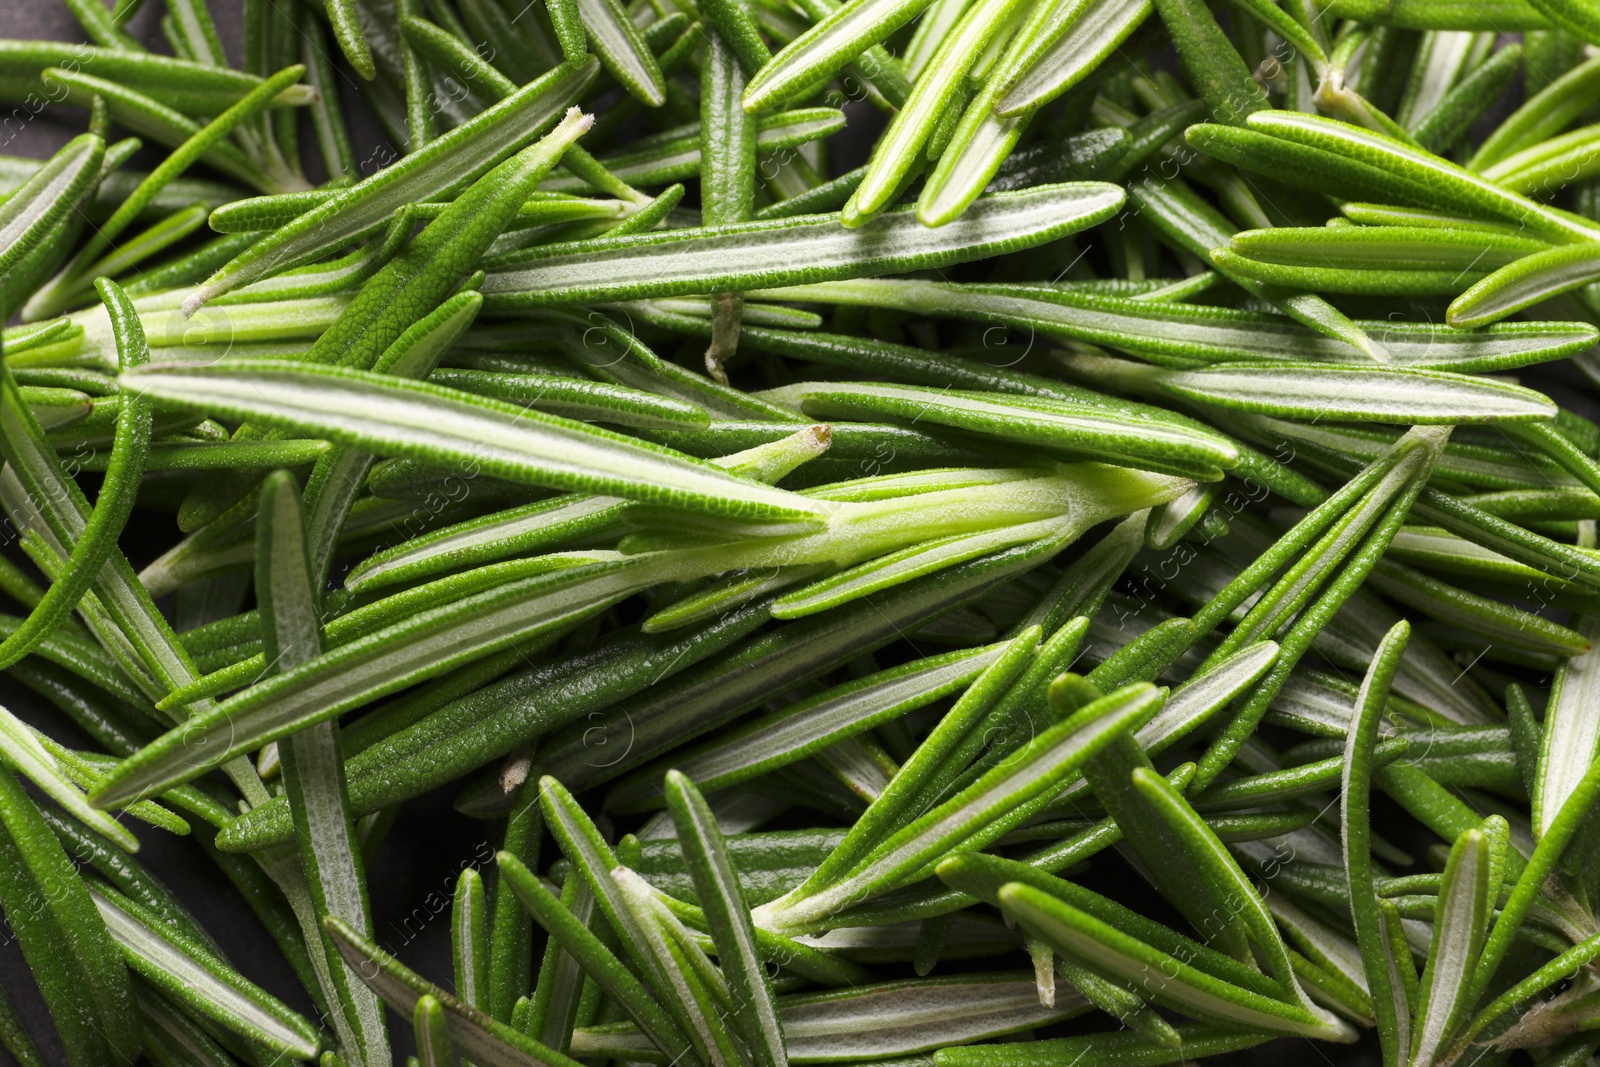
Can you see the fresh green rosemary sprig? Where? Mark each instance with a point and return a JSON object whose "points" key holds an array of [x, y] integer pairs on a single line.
{"points": [[1149, 485]]}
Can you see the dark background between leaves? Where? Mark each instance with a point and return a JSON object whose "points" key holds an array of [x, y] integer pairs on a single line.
{"points": [[414, 874]]}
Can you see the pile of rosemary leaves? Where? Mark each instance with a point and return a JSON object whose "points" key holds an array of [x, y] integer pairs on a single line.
{"points": [[1089, 586]]}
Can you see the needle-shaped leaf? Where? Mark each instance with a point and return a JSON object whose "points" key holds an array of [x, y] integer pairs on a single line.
{"points": [[930, 32], [510, 933], [473, 1033], [55, 408], [1166, 979], [616, 40], [22, 751], [573, 398], [980, 142], [1209, 855], [478, 726], [101, 26], [469, 939], [755, 1014], [443, 165], [1083, 590], [1080, 37], [290, 627], [312, 765], [1115, 1048], [1192, 704], [346, 22], [1172, 520], [892, 1019], [903, 1017], [1340, 587], [1438, 183], [595, 861], [1458, 932], [1452, 604], [591, 954], [735, 25], [1087, 156], [1014, 715], [124, 470], [190, 973], [62, 937], [1383, 978], [728, 145], [430, 267], [829, 45], [1174, 209], [976, 149], [1352, 392], [1003, 798], [175, 164], [808, 726], [524, 529], [901, 144], [739, 588], [807, 248], [683, 979], [327, 118], [44, 200], [558, 987], [1183, 334], [1443, 127], [432, 1031], [918, 779], [194, 88], [1549, 165], [1441, 59], [895, 568], [1149, 826], [1528, 281], [1571, 732], [391, 417], [377, 664], [1385, 247], [1085, 430], [1311, 550], [445, 51], [1214, 66]]}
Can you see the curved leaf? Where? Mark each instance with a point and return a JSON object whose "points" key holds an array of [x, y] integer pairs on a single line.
{"points": [[388, 416], [1526, 282], [806, 248]]}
